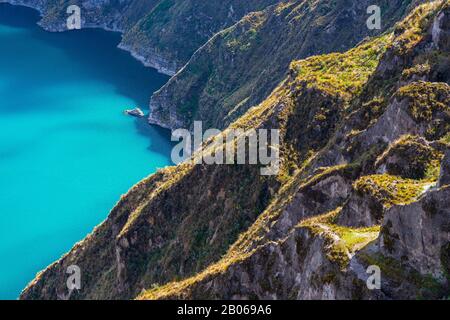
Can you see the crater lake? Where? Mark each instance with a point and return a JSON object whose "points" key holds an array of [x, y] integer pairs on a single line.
{"points": [[67, 151]]}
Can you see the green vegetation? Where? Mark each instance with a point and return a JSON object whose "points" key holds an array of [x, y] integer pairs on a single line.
{"points": [[173, 30], [241, 65], [426, 99], [418, 70], [181, 289], [428, 104], [250, 34], [446, 139], [342, 73], [390, 190], [411, 157], [413, 28], [336, 75], [193, 223], [171, 176], [341, 242], [336, 79]]}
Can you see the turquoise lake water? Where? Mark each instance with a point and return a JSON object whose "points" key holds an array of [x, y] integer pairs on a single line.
{"points": [[67, 152]]}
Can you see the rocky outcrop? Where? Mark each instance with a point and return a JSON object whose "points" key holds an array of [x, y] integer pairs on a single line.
{"points": [[419, 233], [295, 268], [441, 33], [413, 248], [361, 210], [444, 177], [136, 112], [409, 157]]}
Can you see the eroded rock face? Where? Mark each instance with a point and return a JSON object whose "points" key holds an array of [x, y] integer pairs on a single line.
{"points": [[408, 157], [318, 198], [394, 123], [444, 178], [361, 211], [441, 30], [417, 234]]}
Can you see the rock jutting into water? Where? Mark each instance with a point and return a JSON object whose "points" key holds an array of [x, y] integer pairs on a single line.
{"points": [[136, 112]]}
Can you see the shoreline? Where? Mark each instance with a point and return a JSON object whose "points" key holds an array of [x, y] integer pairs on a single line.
{"points": [[121, 45], [145, 61], [138, 129]]}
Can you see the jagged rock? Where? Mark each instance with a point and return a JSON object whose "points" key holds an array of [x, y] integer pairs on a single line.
{"points": [[316, 198], [444, 177], [441, 30], [295, 268], [418, 234], [361, 211]]}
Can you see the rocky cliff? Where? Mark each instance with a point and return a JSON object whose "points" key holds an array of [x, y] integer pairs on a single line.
{"points": [[168, 35], [363, 182]]}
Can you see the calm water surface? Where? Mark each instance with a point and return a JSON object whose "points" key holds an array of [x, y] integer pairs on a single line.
{"points": [[67, 152]]}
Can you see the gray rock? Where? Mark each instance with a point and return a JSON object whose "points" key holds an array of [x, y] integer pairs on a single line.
{"points": [[441, 30], [419, 233], [361, 211], [444, 177]]}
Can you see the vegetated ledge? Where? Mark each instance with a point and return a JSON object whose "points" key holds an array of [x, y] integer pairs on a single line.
{"points": [[342, 242], [391, 190], [412, 157]]}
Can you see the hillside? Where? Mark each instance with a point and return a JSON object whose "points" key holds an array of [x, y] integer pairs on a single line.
{"points": [[364, 180], [241, 65]]}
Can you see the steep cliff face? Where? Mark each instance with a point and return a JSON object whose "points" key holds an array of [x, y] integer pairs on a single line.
{"points": [[241, 65], [168, 35], [343, 200]]}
